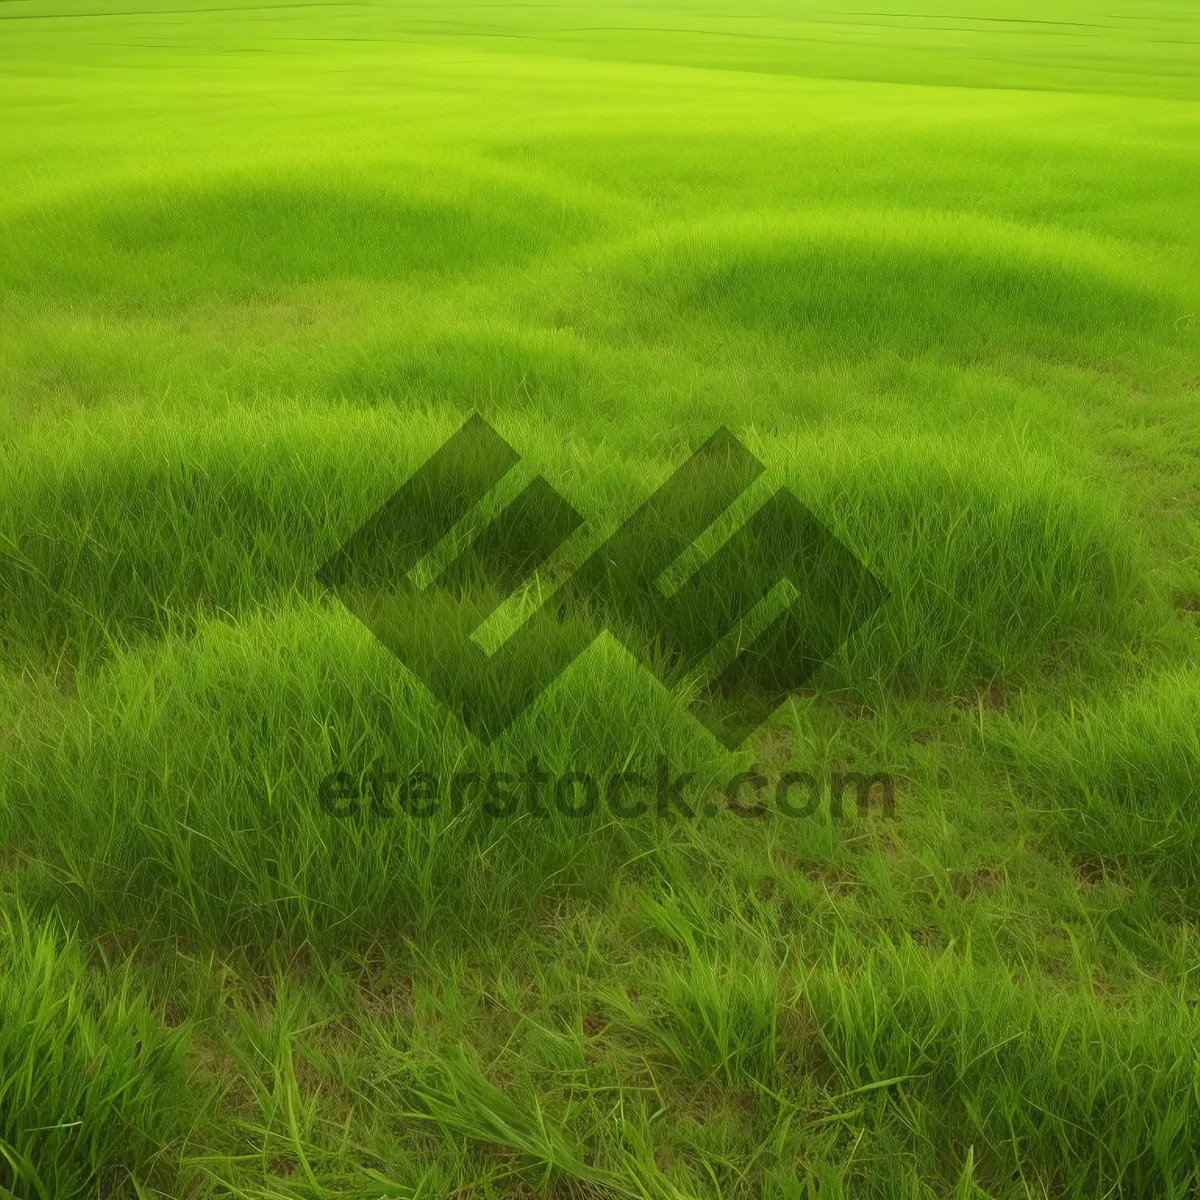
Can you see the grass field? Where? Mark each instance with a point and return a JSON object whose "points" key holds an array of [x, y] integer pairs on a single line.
{"points": [[936, 271]]}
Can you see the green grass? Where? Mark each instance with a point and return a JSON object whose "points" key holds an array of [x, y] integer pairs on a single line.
{"points": [[935, 270]]}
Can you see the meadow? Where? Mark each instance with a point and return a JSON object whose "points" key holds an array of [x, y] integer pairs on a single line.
{"points": [[936, 271]]}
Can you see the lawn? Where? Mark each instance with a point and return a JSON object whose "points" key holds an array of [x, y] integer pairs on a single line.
{"points": [[281, 916]]}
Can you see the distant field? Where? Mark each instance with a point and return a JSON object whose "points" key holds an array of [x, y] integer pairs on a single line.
{"points": [[936, 271]]}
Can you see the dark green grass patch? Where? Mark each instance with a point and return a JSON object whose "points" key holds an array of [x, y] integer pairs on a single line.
{"points": [[836, 287], [160, 248], [988, 566]]}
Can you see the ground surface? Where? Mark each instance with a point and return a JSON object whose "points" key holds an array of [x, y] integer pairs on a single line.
{"points": [[936, 270]]}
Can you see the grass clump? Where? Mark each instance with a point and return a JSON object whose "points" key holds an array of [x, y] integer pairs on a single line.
{"points": [[1121, 776], [1021, 1079], [989, 567], [94, 1091]]}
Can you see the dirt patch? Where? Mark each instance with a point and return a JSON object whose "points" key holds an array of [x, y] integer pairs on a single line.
{"points": [[1095, 870], [981, 882], [992, 698]]}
